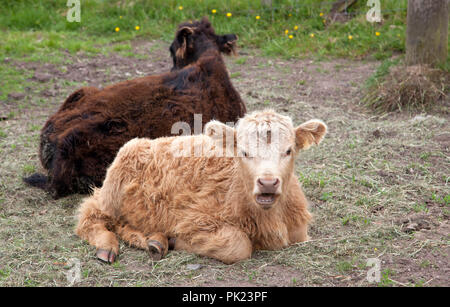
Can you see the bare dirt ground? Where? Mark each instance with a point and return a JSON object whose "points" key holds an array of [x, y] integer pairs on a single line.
{"points": [[377, 185]]}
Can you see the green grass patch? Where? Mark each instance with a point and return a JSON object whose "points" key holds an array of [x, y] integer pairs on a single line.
{"points": [[13, 81], [385, 278], [30, 27], [344, 267], [381, 72], [241, 60], [444, 200], [236, 74], [28, 169]]}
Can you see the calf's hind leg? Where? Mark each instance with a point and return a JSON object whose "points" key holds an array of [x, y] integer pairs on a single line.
{"points": [[228, 244], [95, 227], [156, 244]]}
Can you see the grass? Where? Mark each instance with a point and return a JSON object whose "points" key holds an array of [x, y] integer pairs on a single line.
{"points": [[369, 173], [13, 80], [34, 28], [382, 71], [359, 184]]}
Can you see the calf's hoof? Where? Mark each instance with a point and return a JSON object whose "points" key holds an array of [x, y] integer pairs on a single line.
{"points": [[155, 250], [107, 256]]}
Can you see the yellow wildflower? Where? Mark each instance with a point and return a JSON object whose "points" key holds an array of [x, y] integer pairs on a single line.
{"points": [[312, 35], [229, 15], [350, 37], [296, 28], [258, 17], [180, 7], [291, 36], [214, 11], [117, 29], [321, 14], [137, 28], [286, 31], [377, 33]]}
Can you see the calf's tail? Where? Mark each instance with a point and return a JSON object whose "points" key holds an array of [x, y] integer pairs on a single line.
{"points": [[37, 180]]}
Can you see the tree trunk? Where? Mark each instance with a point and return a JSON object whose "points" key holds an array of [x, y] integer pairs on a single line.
{"points": [[427, 31]]}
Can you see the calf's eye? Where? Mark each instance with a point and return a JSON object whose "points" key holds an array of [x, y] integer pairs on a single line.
{"points": [[288, 152]]}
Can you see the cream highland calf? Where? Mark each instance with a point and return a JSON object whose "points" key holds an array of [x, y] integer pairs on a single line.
{"points": [[238, 196]]}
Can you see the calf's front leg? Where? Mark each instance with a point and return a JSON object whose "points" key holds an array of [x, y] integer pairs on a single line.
{"points": [[228, 244], [157, 244], [299, 234]]}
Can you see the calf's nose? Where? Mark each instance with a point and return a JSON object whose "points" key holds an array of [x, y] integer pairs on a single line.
{"points": [[268, 185]]}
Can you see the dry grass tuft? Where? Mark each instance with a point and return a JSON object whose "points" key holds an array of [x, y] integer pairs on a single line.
{"points": [[417, 87]]}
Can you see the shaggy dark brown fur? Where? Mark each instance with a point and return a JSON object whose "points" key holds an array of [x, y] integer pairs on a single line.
{"points": [[82, 138]]}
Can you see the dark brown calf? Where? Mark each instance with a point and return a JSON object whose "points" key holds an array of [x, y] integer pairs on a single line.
{"points": [[82, 138]]}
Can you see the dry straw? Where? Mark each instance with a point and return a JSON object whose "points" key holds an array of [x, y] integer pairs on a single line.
{"points": [[417, 87]]}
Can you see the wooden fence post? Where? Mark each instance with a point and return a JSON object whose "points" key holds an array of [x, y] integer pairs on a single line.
{"points": [[427, 31]]}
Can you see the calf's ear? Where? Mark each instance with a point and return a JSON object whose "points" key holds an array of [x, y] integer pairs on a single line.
{"points": [[309, 133], [182, 39], [227, 43]]}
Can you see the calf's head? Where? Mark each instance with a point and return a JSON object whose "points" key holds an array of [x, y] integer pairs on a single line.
{"points": [[193, 39], [266, 144]]}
